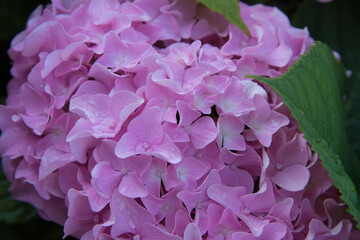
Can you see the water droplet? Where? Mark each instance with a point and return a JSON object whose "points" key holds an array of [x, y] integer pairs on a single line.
{"points": [[131, 223], [15, 118]]}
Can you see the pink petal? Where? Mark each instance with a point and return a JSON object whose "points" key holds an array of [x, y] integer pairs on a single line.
{"points": [[237, 177], [295, 151], [167, 150], [148, 131], [105, 178], [226, 196], [52, 160], [192, 232], [130, 186], [151, 232], [187, 114], [203, 132], [292, 178], [126, 147]]}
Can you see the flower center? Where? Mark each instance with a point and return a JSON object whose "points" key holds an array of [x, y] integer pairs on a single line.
{"points": [[166, 207], [233, 166], [225, 231], [146, 146], [279, 166], [198, 155], [158, 173], [123, 171]]}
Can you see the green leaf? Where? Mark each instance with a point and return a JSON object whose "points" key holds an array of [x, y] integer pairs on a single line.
{"points": [[337, 24], [311, 90], [229, 9]]}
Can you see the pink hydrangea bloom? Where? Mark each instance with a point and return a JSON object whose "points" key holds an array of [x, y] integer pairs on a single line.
{"points": [[136, 120]]}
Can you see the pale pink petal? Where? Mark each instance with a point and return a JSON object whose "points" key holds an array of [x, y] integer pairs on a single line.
{"points": [[292, 178], [105, 178], [192, 232], [130, 186]]}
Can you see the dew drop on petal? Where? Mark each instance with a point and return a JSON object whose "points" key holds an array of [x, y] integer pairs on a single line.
{"points": [[15, 118], [131, 223]]}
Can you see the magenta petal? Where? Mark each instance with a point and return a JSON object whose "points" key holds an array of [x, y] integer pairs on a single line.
{"points": [[151, 232], [226, 196], [72, 226], [53, 159], [96, 201], [192, 232], [79, 207], [235, 142], [127, 145], [203, 132], [274, 231], [167, 150], [292, 178], [130, 186], [237, 177], [181, 221], [105, 178], [129, 215], [148, 131], [256, 224], [295, 151], [187, 114]]}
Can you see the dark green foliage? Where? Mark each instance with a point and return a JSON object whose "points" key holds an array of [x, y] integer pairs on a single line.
{"points": [[311, 90]]}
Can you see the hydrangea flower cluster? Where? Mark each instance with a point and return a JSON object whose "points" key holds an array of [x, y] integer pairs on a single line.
{"points": [[136, 120]]}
